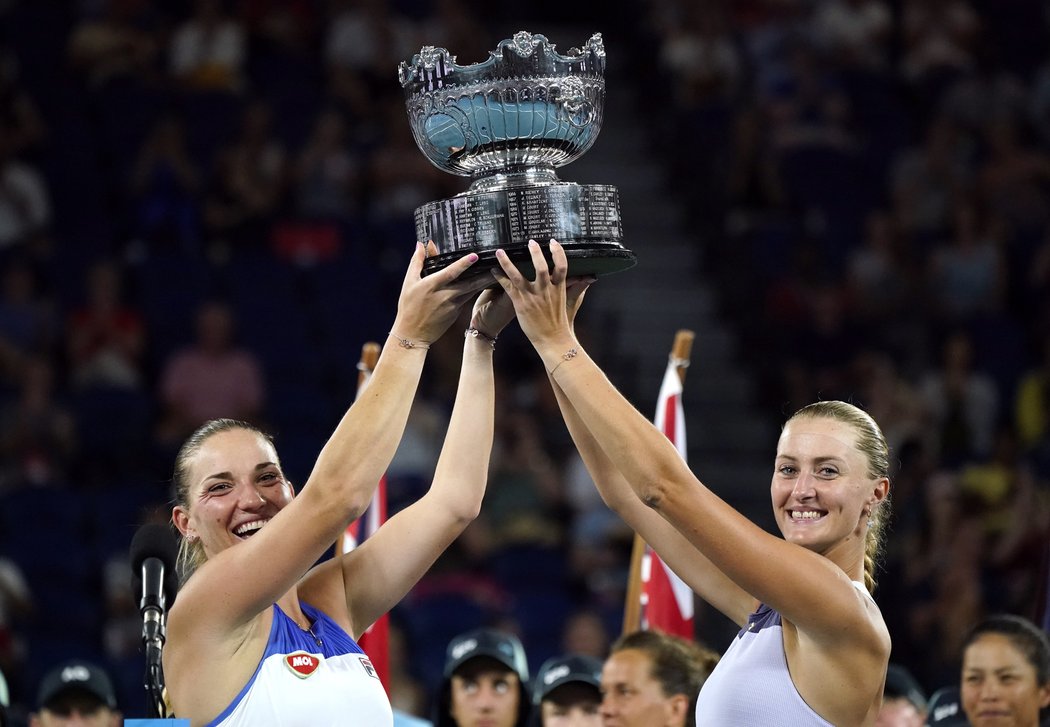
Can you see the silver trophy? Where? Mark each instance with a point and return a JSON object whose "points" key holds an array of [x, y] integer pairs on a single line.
{"points": [[507, 122]]}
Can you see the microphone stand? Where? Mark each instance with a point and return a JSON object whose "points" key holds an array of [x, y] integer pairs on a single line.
{"points": [[153, 556], [153, 639]]}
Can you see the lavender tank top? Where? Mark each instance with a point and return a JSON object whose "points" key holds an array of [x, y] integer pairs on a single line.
{"points": [[751, 685]]}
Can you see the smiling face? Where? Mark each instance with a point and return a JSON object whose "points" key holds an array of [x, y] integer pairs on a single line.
{"points": [[1000, 687], [822, 490], [234, 485]]}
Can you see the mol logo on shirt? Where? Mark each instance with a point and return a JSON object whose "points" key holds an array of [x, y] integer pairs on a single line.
{"points": [[302, 664]]}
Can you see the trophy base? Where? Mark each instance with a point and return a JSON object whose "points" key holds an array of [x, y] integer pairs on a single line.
{"points": [[582, 261], [584, 218]]}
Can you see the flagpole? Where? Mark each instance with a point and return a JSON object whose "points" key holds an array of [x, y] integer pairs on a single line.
{"points": [[632, 611], [375, 641], [365, 367], [367, 364]]}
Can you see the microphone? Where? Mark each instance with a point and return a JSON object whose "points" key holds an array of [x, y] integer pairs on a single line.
{"points": [[153, 552]]}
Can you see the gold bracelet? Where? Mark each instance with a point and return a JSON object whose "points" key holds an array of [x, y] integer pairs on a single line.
{"points": [[405, 343], [475, 333], [571, 353]]}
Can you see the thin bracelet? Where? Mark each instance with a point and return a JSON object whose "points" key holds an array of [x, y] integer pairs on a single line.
{"points": [[405, 343], [571, 353], [475, 333]]}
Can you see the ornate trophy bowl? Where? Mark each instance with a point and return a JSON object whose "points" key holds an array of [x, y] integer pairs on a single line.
{"points": [[507, 123]]}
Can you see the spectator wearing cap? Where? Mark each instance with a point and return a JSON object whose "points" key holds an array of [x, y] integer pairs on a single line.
{"points": [[903, 701], [945, 709], [651, 679], [76, 693], [485, 682], [568, 692]]}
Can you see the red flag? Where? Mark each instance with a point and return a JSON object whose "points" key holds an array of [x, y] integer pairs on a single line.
{"points": [[375, 641], [666, 601]]}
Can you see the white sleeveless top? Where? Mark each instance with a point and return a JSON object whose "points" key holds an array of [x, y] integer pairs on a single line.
{"points": [[318, 680], [751, 685]]}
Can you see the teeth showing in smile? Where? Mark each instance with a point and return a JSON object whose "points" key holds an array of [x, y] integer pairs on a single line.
{"points": [[249, 528], [808, 515]]}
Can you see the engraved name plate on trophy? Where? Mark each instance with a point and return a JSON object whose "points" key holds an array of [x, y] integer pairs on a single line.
{"points": [[507, 123]]}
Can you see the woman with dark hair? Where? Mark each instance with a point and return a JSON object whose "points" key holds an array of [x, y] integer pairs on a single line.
{"points": [[1005, 673], [264, 634]]}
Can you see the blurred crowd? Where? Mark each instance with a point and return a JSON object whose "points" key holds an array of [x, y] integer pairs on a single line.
{"points": [[205, 209], [872, 181]]}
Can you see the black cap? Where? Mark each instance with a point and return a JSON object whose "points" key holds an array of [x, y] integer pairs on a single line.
{"points": [[901, 684], [945, 709], [561, 670], [499, 645], [80, 676]]}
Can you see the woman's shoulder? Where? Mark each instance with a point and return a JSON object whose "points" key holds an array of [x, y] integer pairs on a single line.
{"points": [[196, 621]]}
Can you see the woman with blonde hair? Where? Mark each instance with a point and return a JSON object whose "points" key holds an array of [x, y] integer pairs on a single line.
{"points": [[813, 647]]}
